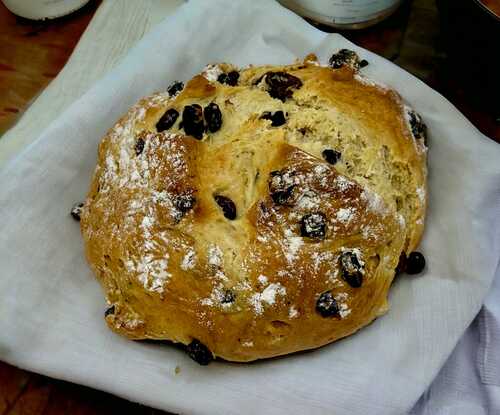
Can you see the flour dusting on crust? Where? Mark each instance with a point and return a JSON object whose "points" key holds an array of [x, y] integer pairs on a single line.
{"points": [[267, 297], [212, 72]]}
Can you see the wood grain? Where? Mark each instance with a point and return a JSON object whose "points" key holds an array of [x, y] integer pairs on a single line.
{"points": [[13, 382], [31, 394], [32, 54], [116, 26]]}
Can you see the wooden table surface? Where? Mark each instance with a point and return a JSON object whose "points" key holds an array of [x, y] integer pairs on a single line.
{"points": [[33, 53]]}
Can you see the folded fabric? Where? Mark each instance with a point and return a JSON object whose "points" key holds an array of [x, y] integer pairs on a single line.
{"points": [[51, 311], [469, 382]]}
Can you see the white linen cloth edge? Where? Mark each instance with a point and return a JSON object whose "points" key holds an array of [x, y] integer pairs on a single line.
{"points": [[73, 113]]}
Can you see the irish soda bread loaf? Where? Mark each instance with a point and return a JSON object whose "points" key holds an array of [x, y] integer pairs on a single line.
{"points": [[256, 212]]}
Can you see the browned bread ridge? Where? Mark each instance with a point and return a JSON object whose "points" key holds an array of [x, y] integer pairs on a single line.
{"points": [[253, 241]]}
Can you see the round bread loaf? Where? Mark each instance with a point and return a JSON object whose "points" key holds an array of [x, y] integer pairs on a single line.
{"points": [[256, 212]]}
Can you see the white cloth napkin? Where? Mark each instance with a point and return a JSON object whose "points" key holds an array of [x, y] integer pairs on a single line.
{"points": [[469, 382], [51, 307]]}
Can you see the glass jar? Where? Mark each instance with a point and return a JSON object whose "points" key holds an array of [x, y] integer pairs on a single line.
{"points": [[43, 9], [344, 14]]}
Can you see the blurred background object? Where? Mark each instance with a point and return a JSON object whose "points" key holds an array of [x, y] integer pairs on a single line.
{"points": [[32, 52], [43, 9], [470, 31], [341, 14], [493, 6]]}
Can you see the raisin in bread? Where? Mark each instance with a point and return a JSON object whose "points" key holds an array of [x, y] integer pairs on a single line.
{"points": [[256, 212]]}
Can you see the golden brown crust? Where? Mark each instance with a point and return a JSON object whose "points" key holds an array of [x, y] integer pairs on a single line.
{"points": [[175, 268]]}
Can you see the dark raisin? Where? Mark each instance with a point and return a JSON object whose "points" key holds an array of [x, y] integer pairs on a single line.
{"points": [[277, 118], [264, 210], [228, 297], [230, 78], [174, 88], [227, 205], [313, 225], [199, 352], [184, 202], [280, 85], [402, 263], [76, 211], [415, 263], [326, 305], [282, 197], [192, 121], [363, 63], [418, 128], [167, 120], [282, 79], [351, 269], [344, 57], [331, 156], [139, 146], [281, 186], [213, 117], [109, 311]]}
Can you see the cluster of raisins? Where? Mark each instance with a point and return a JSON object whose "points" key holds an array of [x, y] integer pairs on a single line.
{"points": [[195, 119], [230, 78]]}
